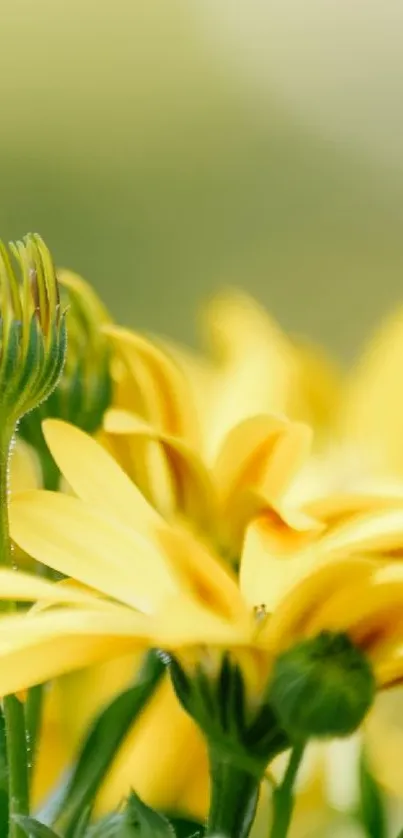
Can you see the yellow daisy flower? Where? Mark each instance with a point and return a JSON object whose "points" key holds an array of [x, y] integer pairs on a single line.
{"points": [[198, 441], [159, 585]]}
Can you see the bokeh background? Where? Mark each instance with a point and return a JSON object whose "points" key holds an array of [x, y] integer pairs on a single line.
{"points": [[165, 148]]}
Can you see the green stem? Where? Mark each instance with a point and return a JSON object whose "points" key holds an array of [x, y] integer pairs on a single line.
{"points": [[234, 796], [34, 703], [283, 797], [13, 709], [33, 721], [18, 794]]}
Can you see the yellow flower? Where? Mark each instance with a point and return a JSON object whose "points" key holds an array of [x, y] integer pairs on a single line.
{"points": [[216, 482], [154, 584], [112, 540], [189, 434]]}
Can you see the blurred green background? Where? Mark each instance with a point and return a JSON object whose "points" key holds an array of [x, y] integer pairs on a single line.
{"points": [[167, 148]]}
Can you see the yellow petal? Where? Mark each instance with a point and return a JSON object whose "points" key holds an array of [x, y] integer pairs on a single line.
{"points": [[166, 398], [294, 610], [258, 368], [25, 469], [242, 458], [317, 398], [158, 759], [359, 609], [273, 559], [373, 405], [262, 451], [377, 533], [335, 509], [182, 622], [36, 648], [95, 476], [16, 585], [191, 485], [80, 541], [389, 672], [202, 574]]}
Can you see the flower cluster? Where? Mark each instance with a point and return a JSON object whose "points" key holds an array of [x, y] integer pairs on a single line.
{"points": [[208, 571]]}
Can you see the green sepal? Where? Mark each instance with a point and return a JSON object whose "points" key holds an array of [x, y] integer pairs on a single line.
{"points": [[102, 743], [10, 358], [220, 708], [31, 368]]}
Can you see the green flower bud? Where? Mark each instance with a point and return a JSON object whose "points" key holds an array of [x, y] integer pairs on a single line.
{"points": [[322, 687], [84, 390], [32, 328]]}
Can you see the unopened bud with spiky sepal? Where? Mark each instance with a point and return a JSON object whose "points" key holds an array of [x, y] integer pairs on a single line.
{"points": [[32, 328], [322, 687], [84, 391], [242, 737]]}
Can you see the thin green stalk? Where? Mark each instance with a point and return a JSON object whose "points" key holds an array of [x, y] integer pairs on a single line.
{"points": [[34, 702], [33, 721], [283, 795], [234, 796], [13, 709], [18, 795]]}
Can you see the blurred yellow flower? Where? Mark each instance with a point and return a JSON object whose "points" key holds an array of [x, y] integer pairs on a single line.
{"points": [[357, 416]]}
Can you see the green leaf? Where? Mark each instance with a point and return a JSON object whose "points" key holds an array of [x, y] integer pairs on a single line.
{"points": [[102, 743], [372, 810], [136, 821], [143, 822], [3, 779], [108, 827], [82, 825], [33, 828], [186, 829]]}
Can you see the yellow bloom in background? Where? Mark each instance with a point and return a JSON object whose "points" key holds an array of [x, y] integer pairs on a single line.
{"points": [[258, 368], [356, 415]]}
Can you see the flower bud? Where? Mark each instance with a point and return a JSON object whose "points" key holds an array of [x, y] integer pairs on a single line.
{"points": [[322, 687], [32, 328], [85, 387]]}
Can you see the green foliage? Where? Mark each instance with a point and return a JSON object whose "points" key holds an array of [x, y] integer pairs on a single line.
{"points": [[136, 821], [3, 779], [102, 743], [372, 812], [34, 829], [186, 829]]}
